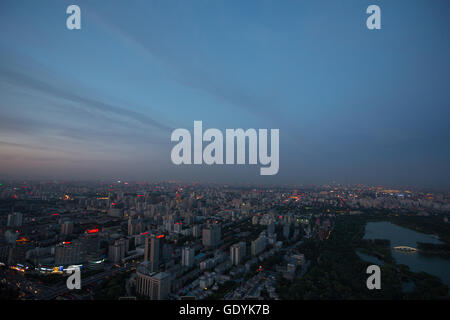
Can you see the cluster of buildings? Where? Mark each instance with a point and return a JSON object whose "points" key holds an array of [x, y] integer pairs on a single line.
{"points": [[183, 239]]}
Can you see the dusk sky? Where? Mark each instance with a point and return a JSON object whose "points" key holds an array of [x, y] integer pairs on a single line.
{"points": [[353, 105]]}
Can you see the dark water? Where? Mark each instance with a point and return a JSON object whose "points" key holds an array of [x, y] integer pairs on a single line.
{"points": [[400, 236]]}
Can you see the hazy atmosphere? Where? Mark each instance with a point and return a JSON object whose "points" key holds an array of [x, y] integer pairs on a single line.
{"points": [[352, 106]]}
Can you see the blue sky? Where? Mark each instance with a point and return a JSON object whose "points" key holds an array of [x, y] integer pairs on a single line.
{"points": [[352, 105]]}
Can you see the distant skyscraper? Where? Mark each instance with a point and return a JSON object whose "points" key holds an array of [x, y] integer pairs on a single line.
{"points": [[271, 228], [259, 245], [117, 250], [196, 231], [178, 226], [67, 227], [189, 219], [15, 219], [147, 248], [132, 226], [237, 252], [286, 230], [211, 235], [187, 257]]}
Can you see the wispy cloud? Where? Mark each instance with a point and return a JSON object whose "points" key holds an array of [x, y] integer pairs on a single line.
{"points": [[23, 80], [263, 105]]}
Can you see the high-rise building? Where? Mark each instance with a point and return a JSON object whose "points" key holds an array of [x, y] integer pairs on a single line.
{"points": [[211, 235], [147, 248], [166, 251], [286, 230], [196, 231], [152, 251], [153, 285], [67, 253], [67, 228], [259, 245], [117, 250], [189, 219], [270, 228], [177, 227], [237, 252], [187, 257], [14, 219], [132, 226]]}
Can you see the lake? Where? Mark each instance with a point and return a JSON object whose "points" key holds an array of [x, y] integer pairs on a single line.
{"points": [[400, 236]]}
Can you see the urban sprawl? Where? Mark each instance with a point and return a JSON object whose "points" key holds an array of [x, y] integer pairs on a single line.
{"points": [[134, 240]]}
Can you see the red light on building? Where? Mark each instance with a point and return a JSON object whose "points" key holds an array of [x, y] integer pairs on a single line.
{"points": [[92, 231], [160, 236], [113, 203], [144, 233], [55, 214]]}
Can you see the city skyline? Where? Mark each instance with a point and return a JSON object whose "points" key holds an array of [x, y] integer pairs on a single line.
{"points": [[353, 105], [166, 241], [224, 158]]}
